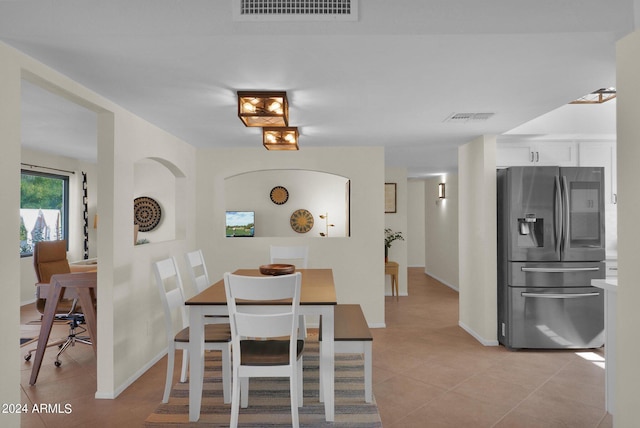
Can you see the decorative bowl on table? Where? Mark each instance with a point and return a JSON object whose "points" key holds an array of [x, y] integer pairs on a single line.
{"points": [[277, 269]]}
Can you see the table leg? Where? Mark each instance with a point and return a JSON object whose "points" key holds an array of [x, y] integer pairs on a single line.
{"points": [[327, 363], [196, 361], [394, 284], [45, 330]]}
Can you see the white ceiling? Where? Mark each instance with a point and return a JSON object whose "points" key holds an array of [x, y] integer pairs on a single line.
{"points": [[389, 79]]}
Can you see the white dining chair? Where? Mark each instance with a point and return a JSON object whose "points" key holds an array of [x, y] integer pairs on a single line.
{"points": [[271, 355], [296, 255], [197, 270], [217, 336], [200, 280]]}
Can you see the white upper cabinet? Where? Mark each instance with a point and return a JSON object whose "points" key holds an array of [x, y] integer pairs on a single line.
{"points": [[551, 153], [563, 153]]}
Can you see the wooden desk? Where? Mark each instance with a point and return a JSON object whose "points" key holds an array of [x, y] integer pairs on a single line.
{"points": [[391, 268], [317, 297], [84, 285], [89, 265]]}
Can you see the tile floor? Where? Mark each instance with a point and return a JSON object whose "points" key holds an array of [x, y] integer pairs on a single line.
{"points": [[428, 372]]}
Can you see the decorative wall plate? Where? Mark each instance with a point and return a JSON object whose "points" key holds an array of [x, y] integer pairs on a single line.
{"points": [[146, 213], [279, 195], [301, 221]]}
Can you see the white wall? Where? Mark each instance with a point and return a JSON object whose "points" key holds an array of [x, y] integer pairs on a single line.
{"points": [[415, 223], [441, 230], [398, 223], [628, 158], [477, 239], [357, 261]]}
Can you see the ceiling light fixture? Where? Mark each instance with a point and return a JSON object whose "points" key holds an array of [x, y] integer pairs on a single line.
{"points": [[263, 108], [282, 138]]}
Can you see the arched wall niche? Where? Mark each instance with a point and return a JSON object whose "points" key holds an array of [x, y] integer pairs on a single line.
{"points": [[163, 181], [320, 193]]}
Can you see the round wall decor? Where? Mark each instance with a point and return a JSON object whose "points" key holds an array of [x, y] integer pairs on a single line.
{"points": [[146, 213], [301, 221], [279, 195]]}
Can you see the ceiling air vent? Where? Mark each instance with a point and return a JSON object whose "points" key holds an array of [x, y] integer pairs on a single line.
{"points": [[295, 10], [468, 117]]}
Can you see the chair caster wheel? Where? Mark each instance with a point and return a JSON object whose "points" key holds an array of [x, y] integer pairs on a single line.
{"points": [[27, 357], [58, 363]]}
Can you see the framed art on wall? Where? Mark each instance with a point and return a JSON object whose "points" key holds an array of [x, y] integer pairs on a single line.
{"points": [[390, 197]]}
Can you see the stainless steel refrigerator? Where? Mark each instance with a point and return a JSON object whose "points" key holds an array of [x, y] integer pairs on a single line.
{"points": [[550, 246]]}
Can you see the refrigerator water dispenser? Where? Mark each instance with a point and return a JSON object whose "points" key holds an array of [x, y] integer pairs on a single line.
{"points": [[530, 231]]}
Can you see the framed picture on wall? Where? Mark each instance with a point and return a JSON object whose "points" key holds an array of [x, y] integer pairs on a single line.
{"points": [[389, 197]]}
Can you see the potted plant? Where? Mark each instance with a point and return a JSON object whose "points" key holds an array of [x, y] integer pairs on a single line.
{"points": [[389, 237]]}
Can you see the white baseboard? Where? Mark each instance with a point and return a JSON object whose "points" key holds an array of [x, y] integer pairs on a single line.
{"points": [[453, 287], [110, 396], [476, 336]]}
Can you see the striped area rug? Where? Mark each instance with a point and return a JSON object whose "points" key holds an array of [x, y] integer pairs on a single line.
{"points": [[269, 404]]}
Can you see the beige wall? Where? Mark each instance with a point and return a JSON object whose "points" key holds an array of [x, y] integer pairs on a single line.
{"points": [[9, 224], [398, 223], [415, 223], [477, 239], [133, 303], [441, 230], [628, 158], [129, 302], [356, 261]]}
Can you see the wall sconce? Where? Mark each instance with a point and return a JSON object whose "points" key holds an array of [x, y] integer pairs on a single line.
{"points": [[280, 138], [263, 108]]}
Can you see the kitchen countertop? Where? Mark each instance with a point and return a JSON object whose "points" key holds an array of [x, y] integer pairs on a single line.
{"points": [[608, 284]]}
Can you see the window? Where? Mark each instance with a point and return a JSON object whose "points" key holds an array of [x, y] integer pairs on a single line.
{"points": [[44, 209]]}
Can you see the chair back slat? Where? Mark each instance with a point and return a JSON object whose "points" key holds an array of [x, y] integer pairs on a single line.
{"points": [[265, 326], [259, 289], [174, 299]]}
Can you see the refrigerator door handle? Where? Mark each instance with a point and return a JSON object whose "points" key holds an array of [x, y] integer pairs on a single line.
{"points": [[558, 215], [566, 212], [559, 295], [560, 270]]}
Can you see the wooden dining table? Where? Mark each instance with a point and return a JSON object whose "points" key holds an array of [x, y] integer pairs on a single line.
{"points": [[317, 297]]}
